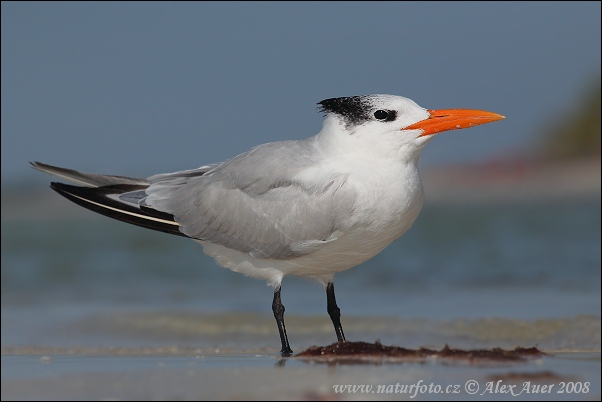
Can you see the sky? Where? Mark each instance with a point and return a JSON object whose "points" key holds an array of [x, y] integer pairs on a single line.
{"points": [[141, 88]]}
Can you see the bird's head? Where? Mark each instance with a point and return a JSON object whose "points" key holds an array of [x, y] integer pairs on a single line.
{"points": [[392, 125]]}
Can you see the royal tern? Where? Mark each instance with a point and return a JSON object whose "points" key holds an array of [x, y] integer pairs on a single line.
{"points": [[309, 208]]}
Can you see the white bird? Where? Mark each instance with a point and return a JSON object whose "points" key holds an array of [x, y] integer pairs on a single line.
{"points": [[309, 208]]}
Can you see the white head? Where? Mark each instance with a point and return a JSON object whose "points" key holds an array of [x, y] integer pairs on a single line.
{"points": [[389, 126]]}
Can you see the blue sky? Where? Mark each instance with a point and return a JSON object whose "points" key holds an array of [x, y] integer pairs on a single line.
{"points": [[142, 88]]}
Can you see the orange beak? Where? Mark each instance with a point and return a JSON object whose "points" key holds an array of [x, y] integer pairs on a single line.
{"points": [[453, 119]]}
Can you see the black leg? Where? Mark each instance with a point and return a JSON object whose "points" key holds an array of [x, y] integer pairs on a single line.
{"points": [[334, 312], [278, 310]]}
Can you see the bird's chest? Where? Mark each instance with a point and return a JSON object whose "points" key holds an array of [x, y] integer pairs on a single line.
{"points": [[388, 202]]}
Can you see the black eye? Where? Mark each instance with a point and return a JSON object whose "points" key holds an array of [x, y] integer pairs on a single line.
{"points": [[381, 115], [385, 115]]}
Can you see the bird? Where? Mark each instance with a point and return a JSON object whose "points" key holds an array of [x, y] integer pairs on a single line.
{"points": [[309, 208]]}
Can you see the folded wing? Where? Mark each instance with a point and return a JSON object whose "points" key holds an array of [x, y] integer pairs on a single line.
{"points": [[259, 203]]}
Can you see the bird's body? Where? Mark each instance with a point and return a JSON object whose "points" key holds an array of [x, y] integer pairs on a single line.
{"points": [[333, 234], [308, 208]]}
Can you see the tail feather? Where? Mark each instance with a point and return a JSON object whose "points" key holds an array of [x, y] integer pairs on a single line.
{"points": [[106, 201], [87, 179]]}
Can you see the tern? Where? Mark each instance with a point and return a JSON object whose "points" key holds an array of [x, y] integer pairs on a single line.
{"points": [[309, 208]]}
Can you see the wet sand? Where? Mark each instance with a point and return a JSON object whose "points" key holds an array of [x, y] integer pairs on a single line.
{"points": [[187, 356], [255, 377]]}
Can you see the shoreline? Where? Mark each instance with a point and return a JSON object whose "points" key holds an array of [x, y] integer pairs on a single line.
{"points": [[520, 180]]}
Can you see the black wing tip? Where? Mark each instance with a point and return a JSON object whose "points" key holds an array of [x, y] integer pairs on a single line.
{"points": [[60, 188], [95, 199]]}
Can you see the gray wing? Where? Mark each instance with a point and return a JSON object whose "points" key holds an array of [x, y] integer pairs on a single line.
{"points": [[257, 203]]}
